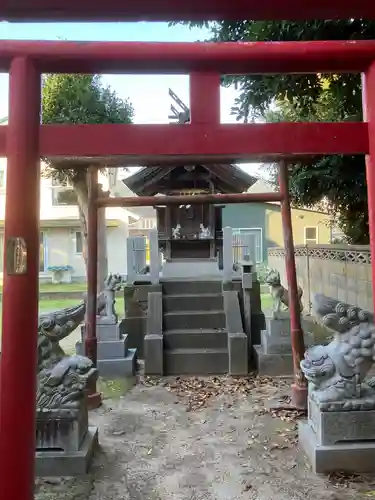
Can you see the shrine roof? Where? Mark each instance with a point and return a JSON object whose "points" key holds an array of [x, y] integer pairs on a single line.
{"points": [[226, 178]]}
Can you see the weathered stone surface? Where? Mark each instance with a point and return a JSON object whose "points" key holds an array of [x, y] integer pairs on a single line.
{"points": [[357, 457], [153, 343], [332, 427], [237, 354], [61, 429], [237, 339], [56, 463], [272, 364]]}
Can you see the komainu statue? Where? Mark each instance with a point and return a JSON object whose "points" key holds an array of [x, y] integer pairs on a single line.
{"points": [[279, 294], [337, 372], [62, 379]]}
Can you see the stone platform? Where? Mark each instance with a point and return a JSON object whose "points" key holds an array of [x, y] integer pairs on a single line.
{"points": [[342, 440], [65, 443], [115, 358], [274, 355], [61, 463]]}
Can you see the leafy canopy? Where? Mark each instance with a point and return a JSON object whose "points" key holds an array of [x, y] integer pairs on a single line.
{"points": [[80, 99], [341, 180]]}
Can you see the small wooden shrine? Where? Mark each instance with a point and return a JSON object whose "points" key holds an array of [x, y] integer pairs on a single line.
{"points": [[189, 231]]}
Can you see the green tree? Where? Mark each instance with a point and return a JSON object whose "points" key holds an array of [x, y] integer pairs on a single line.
{"points": [[81, 99], [308, 97], [331, 177]]}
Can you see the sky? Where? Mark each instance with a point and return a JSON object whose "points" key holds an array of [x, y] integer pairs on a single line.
{"points": [[147, 93]]}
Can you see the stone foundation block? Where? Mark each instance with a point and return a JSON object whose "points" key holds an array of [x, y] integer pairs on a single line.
{"points": [[272, 364], [54, 462], [108, 349], [61, 429], [333, 427], [238, 354], [117, 368], [351, 457], [154, 357]]}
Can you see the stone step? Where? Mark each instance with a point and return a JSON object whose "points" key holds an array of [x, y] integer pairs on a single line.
{"points": [[193, 302], [195, 339], [196, 362], [117, 368], [197, 287], [109, 349], [181, 320]]}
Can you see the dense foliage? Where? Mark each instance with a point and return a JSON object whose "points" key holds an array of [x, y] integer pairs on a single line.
{"points": [[80, 99], [340, 180]]}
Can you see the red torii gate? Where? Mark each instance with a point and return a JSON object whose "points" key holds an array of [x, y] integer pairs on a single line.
{"points": [[24, 141]]}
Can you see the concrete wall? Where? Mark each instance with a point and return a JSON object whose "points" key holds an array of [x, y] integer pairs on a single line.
{"points": [[267, 217], [342, 272]]}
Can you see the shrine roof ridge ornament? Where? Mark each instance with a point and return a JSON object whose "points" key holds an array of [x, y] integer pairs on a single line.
{"points": [[188, 10]]}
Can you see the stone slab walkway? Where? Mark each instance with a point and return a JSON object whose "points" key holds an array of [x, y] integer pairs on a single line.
{"points": [[201, 440]]}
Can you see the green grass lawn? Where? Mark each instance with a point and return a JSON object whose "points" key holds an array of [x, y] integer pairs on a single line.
{"points": [[61, 287], [68, 344]]}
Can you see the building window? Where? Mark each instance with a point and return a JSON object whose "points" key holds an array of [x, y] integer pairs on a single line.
{"points": [[311, 235], [79, 242]]}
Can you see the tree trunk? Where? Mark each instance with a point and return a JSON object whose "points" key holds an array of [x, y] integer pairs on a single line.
{"points": [[81, 189]]}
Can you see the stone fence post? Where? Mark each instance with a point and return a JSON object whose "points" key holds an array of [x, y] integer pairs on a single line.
{"points": [[227, 253], [154, 256]]}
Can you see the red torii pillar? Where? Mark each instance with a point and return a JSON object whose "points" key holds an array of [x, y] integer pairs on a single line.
{"points": [[20, 288], [368, 98]]}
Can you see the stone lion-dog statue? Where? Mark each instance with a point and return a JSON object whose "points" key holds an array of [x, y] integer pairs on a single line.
{"points": [[279, 293]]}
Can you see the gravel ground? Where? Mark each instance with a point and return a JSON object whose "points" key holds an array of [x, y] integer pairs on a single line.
{"points": [[196, 439]]}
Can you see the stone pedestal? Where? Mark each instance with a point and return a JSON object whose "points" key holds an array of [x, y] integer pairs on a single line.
{"points": [[274, 355], [340, 440], [115, 358], [65, 443]]}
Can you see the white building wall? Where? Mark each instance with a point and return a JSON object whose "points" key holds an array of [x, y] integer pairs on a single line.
{"points": [[60, 242]]}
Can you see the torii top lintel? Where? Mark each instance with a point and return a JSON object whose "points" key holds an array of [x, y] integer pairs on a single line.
{"points": [[171, 10]]}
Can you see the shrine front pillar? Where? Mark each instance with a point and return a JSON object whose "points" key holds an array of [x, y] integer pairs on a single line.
{"points": [[368, 99], [20, 287]]}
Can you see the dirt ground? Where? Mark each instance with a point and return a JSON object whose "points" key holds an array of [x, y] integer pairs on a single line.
{"points": [[201, 439]]}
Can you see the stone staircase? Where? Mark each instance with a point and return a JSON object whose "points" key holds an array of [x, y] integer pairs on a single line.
{"points": [[194, 328]]}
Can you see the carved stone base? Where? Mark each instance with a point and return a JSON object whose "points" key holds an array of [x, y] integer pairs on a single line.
{"points": [[332, 427], [339, 440], [61, 429], [274, 355], [64, 442], [351, 457], [60, 463]]}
